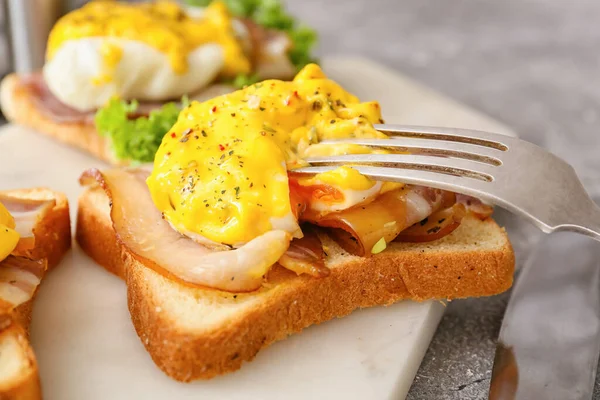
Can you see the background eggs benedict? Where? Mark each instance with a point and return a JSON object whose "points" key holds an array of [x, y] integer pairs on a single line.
{"points": [[147, 52], [116, 71]]}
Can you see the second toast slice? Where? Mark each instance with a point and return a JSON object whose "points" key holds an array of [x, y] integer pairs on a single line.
{"points": [[52, 235]]}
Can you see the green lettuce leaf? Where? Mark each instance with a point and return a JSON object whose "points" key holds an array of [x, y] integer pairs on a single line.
{"points": [[272, 14], [241, 81], [135, 139]]}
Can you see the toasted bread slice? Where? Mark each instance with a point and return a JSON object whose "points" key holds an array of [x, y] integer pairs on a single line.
{"points": [[195, 333], [18, 368]]}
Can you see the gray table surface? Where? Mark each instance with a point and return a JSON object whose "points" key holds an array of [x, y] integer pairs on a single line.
{"points": [[532, 64]]}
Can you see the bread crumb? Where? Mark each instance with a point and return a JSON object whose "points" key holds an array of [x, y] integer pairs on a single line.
{"points": [[158, 309]]}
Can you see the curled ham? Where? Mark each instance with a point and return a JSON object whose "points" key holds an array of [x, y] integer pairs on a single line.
{"points": [[359, 228], [59, 112], [475, 206], [436, 226], [306, 255], [19, 278], [50, 105], [140, 228], [27, 213]]}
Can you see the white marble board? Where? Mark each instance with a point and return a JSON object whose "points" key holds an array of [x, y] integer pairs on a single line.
{"points": [[86, 345]]}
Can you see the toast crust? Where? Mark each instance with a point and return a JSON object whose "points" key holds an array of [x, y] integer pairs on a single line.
{"points": [[288, 303], [19, 106], [52, 241], [27, 385]]}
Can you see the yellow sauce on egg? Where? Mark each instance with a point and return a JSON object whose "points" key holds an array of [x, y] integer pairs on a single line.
{"points": [[221, 171], [162, 25], [343, 177], [8, 236], [111, 54]]}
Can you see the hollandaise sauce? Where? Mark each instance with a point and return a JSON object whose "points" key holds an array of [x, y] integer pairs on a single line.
{"points": [[162, 25], [221, 171], [8, 236]]}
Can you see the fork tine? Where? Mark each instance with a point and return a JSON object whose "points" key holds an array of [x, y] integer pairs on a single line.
{"points": [[444, 165], [460, 184], [526, 180], [480, 138], [427, 146]]}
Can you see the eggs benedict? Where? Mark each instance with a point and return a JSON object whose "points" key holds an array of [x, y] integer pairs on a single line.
{"points": [[117, 73], [222, 205]]}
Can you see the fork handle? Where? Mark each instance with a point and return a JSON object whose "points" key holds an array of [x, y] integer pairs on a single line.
{"points": [[587, 223]]}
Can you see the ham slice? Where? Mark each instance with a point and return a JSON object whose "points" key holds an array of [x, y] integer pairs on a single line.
{"points": [[49, 105], [305, 255], [57, 111], [19, 279], [19, 275], [359, 228], [140, 228], [436, 226], [475, 206], [27, 213], [54, 109]]}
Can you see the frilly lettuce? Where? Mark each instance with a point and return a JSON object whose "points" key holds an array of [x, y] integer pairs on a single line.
{"points": [[135, 139], [241, 81]]}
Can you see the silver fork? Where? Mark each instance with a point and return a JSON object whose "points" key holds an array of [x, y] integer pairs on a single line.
{"points": [[498, 169]]}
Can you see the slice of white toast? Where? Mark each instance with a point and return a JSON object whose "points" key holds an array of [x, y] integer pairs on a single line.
{"points": [[18, 368], [194, 333]]}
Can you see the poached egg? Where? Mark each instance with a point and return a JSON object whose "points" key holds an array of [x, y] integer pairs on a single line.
{"points": [[145, 51], [221, 172]]}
